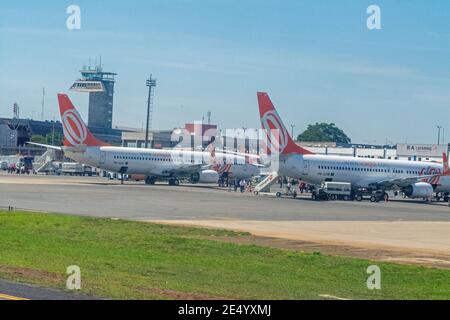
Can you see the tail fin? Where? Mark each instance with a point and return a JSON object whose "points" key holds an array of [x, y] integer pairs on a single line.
{"points": [[445, 162], [76, 133], [271, 123]]}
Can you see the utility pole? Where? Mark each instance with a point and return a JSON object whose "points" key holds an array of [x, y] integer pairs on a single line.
{"points": [[439, 134], [43, 104], [53, 131], [151, 83], [292, 131]]}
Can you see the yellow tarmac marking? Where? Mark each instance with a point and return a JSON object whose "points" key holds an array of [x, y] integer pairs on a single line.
{"points": [[8, 297]]}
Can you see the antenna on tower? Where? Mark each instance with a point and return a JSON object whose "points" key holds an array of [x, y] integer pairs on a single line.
{"points": [[43, 104]]}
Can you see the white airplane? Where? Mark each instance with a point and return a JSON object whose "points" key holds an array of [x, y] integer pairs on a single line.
{"points": [[409, 177], [81, 146], [441, 183]]}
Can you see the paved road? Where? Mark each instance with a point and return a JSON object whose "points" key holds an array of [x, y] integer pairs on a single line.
{"points": [[15, 291], [99, 197]]}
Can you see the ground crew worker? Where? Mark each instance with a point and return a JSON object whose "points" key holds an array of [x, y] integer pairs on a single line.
{"points": [[242, 185], [288, 188]]}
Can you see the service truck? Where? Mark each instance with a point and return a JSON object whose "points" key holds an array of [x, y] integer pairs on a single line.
{"points": [[76, 169]]}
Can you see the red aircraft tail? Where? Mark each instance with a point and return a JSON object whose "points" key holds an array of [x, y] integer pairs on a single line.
{"points": [[76, 133], [278, 137], [445, 162]]}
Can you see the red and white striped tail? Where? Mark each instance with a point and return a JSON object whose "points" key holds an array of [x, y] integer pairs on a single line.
{"points": [[278, 137], [76, 133]]}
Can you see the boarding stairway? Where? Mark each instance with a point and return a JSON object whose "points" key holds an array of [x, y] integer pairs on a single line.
{"points": [[264, 186], [45, 162]]}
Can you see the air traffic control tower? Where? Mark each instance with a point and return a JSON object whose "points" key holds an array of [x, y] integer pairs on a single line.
{"points": [[100, 86]]}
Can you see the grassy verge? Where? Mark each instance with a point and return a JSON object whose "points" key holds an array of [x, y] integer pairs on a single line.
{"points": [[132, 260]]}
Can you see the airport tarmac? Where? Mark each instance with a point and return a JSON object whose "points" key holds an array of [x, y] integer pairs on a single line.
{"points": [[16, 291], [400, 226], [104, 198]]}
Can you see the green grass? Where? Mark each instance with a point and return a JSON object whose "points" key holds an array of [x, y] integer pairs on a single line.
{"points": [[133, 260]]}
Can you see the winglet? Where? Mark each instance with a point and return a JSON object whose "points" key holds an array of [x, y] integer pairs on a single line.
{"points": [[278, 136]]}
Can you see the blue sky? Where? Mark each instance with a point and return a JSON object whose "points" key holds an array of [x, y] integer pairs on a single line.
{"points": [[317, 59]]}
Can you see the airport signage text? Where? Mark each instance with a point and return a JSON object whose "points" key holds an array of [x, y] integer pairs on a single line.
{"points": [[428, 150]]}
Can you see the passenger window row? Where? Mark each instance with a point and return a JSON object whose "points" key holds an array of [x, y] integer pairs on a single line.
{"points": [[367, 170], [141, 158], [150, 159]]}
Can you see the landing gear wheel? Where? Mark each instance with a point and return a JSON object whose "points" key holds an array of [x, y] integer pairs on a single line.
{"points": [[150, 180], [195, 178], [278, 194], [359, 198]]}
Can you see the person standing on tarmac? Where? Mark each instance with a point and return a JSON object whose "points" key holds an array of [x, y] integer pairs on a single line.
{"points": [[242, 185], [302, 187], [236, 185], [288, 188]]}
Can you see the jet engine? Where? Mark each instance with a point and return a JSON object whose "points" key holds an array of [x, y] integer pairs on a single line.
{"points": [[419, 190], [209, 176]]}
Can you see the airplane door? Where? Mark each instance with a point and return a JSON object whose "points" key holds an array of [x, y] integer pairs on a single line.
{"points": [[102, 157], [305, 167]]}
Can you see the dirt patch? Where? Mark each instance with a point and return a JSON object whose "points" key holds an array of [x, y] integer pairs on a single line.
{"points": [[414, 243], [31, 274], [178, 295], [422, 259]]}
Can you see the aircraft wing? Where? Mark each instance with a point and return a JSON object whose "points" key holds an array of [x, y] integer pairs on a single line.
{"points": [[400, 182], [186, 170], [46, 146]]}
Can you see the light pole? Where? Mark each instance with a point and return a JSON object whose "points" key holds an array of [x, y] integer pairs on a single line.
{"points": [[439, 134], [292, 131], [151, 83]]}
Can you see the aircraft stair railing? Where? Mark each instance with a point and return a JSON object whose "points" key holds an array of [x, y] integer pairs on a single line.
{"points": [[45, 162], [264, 186]]}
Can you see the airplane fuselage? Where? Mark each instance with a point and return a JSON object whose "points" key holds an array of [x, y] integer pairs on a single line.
{"points": [[159, 163], [360, 172]]}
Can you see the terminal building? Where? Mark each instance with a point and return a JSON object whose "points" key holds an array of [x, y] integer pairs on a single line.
{"points": [[193, 134], [401, 151]]}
